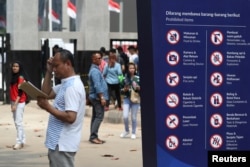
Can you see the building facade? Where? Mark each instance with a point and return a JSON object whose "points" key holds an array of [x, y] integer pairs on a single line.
{"points": [[30, 29], [29, 22]]}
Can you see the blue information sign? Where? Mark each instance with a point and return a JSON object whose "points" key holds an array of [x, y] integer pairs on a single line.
{"points": [[201, 60]]}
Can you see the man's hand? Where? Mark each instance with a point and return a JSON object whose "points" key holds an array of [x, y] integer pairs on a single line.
{"points": [[43, 103], [67, 116], [49, 65], [103, 102]]}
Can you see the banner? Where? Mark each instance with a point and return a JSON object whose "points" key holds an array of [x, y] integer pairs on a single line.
{"points": [[200, 63]]}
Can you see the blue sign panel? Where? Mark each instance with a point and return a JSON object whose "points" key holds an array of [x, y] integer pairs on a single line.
{"points": [[201, 56]]}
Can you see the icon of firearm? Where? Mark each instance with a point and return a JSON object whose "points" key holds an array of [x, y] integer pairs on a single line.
{"points": [[171, 78]]}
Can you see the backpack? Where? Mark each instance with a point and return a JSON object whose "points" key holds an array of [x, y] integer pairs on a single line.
{"points": [[125, 58]]}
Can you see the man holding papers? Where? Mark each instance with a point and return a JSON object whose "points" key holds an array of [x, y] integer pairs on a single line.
{"points": [[67, 112]]}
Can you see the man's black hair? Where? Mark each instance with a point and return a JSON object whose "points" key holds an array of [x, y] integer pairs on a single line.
{"points": [[112, 50], [120, 49], [103, 50], [67, 55]]}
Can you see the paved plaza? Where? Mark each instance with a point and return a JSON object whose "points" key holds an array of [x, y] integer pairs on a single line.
{"points": [[116, 152]]}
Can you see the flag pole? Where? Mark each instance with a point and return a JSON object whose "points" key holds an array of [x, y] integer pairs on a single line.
{"points": [[121, 17], [50, 16]]}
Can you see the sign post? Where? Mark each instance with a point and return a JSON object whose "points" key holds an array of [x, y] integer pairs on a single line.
{"points": [[195, 57]]}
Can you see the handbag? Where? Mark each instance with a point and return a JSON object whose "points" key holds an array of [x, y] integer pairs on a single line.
{"points": [[134, 96]]}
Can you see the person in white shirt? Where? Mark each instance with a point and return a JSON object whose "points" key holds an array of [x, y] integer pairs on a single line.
{"points": [[67, 112], [133, 54]]}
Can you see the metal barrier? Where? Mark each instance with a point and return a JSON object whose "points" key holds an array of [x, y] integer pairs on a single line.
{"points": [[4, 53]]}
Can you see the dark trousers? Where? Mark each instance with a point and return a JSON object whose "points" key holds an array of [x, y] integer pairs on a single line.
{"points": [[97, 118], [116, 89]]}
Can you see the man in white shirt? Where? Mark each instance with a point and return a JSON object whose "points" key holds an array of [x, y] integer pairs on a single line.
{"points": [[67, 112], [133, 54]]}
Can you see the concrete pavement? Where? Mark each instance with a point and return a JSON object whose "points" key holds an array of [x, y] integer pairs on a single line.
{"points": [[116, 152]]}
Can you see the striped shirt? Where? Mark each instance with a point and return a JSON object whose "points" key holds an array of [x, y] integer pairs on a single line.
{"points": [[70, 96]]}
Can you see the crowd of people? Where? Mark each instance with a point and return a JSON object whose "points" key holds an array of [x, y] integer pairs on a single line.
{"points": [[113, 75], [118, 74], [121, 73]]}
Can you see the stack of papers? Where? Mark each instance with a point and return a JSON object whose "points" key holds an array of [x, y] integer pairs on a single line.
{"points": [[32, 90]]}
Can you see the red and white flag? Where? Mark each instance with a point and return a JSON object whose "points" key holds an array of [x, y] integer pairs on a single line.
{"points": [[54, 17], [71, 10], [114, 6]]}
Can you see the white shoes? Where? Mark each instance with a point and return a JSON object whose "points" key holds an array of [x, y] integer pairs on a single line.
{"points": [[124, 134], [133, 136], [17, 146]]}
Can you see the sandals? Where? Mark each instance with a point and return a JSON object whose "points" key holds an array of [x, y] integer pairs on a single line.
{"points": [[97, 141]]}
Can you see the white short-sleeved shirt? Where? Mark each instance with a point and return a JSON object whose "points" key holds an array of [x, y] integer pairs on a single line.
{"points": [[132, 58], [70, 96]]}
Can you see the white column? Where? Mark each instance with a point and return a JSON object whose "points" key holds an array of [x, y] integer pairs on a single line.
{"points": [[93, 21], [121, 17], [65, 17], [22, 24]]}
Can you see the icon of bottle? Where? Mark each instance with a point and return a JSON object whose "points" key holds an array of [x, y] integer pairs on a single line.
{"points": [[216, 120]]}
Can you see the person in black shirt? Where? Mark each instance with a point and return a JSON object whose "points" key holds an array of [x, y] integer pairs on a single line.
{"points": [[125, 58]]}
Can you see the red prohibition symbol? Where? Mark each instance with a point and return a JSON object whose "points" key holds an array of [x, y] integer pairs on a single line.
{"points": [[216, 58], [216, 100], [172, 121], [216, 141], [172, 58], [216, 37], [216, 120], [172, 100], [216, 79], [172, 142], [172, 79], [173, 37]]}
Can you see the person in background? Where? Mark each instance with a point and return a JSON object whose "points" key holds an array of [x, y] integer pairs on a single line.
{"points": [[131, 81], [56, 49], [67, 112], [104, 59], [18, 98], [136, 61], [98, 94], [125, 58], [120, 60], [133, 53], [111, 74]]}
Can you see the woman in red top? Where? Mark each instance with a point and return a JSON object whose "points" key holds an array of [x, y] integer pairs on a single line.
{"points": [[18, 98]]}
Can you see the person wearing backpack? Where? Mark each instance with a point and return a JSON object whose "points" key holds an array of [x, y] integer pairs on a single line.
{"points": [[125, 59], [18, 100]]}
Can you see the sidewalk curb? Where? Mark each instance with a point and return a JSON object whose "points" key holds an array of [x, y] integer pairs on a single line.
{"points": [[113, 116]]}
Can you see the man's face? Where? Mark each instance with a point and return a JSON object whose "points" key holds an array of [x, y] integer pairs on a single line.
{"points": [[112, 58], [131, 51], [97, 59], [59, 67]]}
